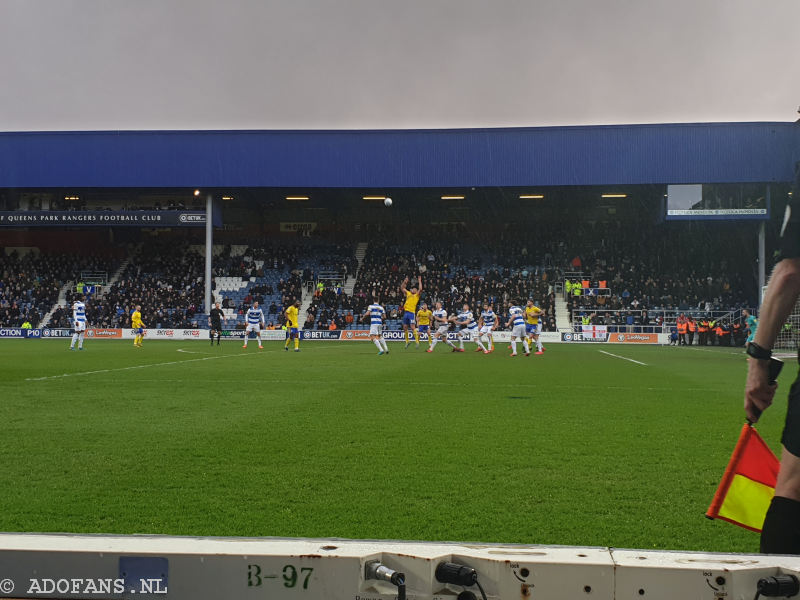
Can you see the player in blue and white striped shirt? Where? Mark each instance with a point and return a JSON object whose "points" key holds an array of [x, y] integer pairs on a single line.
{"points": [[78, 323], [255, 322], [469, 329], [376, 314], [516, 320], [439, 316], [487, 323]]}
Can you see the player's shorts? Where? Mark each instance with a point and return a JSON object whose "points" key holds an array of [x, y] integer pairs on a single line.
{"points": [[468, 332], [424, 328], [532, 328], [791, 430], [138, 330], [292, 332], [376, 329], [518, 331], [79, 326], [486, 329], [408, 318], [442, 330], [216, 326], [252, 327]]}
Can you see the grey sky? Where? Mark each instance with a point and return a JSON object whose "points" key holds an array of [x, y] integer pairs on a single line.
{"points": [[340, 64]]}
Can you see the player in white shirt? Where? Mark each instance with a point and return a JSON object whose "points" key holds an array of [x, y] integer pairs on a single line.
{"points": [[78, 323], [516, 322], [255, 322], [442, 326], [469, 329], [487, 323], [376, 314]]}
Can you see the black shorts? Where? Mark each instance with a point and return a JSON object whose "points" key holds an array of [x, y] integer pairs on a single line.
{"points": [[791, 430], [216, 327]]}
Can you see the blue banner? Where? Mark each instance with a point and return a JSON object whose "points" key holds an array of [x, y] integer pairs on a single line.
{"points": [[105, 218]]}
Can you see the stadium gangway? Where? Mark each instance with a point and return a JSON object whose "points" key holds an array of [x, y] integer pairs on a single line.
{"points": [[191, 568]]}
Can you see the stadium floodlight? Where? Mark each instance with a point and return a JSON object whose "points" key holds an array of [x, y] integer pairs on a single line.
{"points": [[614, 195], [452, 197], [227, 197], [373, 197], [531, 196], [297, 198], [197, 192]]}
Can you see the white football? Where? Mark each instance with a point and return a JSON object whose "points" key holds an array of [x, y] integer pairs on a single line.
{"points": [[387, 202]]}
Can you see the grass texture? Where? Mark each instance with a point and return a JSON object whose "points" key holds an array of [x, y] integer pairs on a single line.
{"points": [[575, 447]]}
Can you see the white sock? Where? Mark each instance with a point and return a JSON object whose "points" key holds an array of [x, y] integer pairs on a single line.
{"points": [[434, 342], [74, 339], [449, 343], [539, 345], [526, 346], [461, 342], [480, 344], [259, 340], [378, 344], [385, 347], [80, 341], [513, 346]]}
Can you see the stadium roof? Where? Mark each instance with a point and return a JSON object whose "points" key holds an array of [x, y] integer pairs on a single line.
{"points": [[545, 156]]}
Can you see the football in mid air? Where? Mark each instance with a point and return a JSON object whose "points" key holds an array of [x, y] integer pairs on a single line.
{"points": [[387, 202]]}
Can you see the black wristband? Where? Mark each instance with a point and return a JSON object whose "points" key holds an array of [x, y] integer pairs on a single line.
{"points": [[758, 352]]}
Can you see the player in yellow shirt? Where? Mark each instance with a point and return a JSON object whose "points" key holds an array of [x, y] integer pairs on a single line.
{"points": [[532, 314], [410, 308], [292, 326], [424, 321], [137, 325]]}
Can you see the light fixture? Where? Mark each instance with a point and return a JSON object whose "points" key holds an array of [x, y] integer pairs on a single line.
{"points": [[373, 197], [452, 197], [531, 196], [297, 197], [227, 197], [71, 197], [197, 192], [614, 195]]}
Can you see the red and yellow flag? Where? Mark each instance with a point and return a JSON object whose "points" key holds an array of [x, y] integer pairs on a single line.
{"points": [[747, 487]]}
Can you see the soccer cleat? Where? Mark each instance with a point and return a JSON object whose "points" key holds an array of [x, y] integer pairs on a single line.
{"points": [[539, 352], [297, 349], [71, 348], [407, 344], [81, 348], [380, 353], [486, 352], [513, 354], [478, 350], [461, 350], [261, 347], [527, 354], [454, 349], [245, 346], [286, 348], [429, 350]]}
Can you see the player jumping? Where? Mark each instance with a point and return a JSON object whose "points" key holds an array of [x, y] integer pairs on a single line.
{"points": [[412, 298]]}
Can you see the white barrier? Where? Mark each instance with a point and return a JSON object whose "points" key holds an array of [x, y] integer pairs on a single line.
{"points": [[184, 568]]}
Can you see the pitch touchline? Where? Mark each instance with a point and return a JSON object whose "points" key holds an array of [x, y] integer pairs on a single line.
{"points": [[623, 358], [163, 364]]}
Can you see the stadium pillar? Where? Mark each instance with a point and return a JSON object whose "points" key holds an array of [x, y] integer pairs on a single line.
{"points": [[761, 260], [209, 248]]}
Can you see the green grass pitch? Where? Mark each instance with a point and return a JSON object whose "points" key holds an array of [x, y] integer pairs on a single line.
{"points": [[575, 447]]}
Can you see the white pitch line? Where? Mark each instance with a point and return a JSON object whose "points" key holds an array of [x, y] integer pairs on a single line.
{"points": [[163, 364], [623, 358]]}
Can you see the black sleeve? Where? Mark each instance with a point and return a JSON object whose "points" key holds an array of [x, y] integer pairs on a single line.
{"points": [[790, 230]]}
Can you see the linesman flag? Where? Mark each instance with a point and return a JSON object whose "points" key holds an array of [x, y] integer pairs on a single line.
{"points": [[747, 487]]}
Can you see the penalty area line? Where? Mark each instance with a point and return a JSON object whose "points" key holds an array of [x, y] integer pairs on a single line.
{"points": [[131, 368], [623, 358]]}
